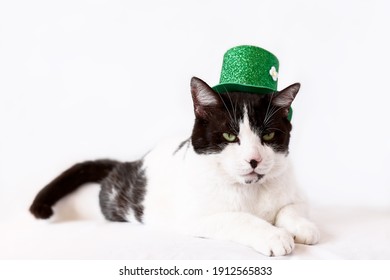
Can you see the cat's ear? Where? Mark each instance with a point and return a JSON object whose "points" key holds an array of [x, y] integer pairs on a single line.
{"points": [[203, 96], [285, 97]]}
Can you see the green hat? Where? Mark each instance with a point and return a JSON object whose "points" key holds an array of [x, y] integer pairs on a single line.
{"points": [[249, 69]]}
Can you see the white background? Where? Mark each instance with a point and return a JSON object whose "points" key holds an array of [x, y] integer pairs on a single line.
{"points": [[90, 79]]}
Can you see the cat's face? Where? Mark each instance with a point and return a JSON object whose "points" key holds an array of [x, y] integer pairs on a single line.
{"points": [[248, 134]]}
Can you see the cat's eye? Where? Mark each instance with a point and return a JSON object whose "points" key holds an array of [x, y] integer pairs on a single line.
{"points": [[229, 137], [269, 136]]}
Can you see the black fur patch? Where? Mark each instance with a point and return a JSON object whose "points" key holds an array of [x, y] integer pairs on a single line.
{"points": [[123, 192], [264, 117]]}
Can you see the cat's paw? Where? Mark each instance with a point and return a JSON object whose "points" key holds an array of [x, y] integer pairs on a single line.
{"points": [[277, 242], [307, 233]]}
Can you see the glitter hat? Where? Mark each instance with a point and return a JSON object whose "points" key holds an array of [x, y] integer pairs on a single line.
{"points": [[249, 69]]}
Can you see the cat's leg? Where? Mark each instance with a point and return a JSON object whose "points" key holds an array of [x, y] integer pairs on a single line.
{"points": [[246, 229], [292, 218]]}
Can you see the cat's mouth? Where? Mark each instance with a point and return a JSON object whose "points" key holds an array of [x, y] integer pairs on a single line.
{"points": [[252, 178]]}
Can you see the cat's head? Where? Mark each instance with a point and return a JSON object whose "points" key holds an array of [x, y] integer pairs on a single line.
{"points": [[248, 134]]}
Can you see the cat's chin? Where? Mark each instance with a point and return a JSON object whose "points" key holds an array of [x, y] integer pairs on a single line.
{"points": [[251, 178]]}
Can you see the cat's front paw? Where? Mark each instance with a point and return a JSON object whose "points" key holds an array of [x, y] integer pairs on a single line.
{"points": [[277, 242], [307, 233]]}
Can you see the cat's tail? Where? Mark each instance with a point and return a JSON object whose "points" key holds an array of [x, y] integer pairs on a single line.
{"points": [[67, 182]]}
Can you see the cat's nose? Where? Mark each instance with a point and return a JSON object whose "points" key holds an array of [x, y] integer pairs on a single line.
{"points": [[253, 163]]}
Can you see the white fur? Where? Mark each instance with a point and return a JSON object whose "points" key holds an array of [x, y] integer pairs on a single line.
{"points": [[205, 99], [130, 217], [112, 195], [218, 196]]}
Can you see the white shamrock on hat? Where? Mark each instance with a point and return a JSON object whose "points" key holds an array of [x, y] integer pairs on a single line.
{"points": [[274, 74]]}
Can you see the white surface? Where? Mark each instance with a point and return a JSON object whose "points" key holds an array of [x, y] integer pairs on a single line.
{"points": [[90, 79], [346, 234]]}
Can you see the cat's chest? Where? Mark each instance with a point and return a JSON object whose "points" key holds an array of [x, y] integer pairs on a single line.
{"points": [[210, 192], [189, 187], [216, 198]]}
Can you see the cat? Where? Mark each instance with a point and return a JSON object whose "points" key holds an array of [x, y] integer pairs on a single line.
{"points": [[231, 180]]}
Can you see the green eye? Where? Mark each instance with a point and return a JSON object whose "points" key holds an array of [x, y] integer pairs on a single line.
{"points": [[269, 136], [229, 137]]}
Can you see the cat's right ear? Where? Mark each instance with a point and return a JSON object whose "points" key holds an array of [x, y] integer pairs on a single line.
{"points": [[203, 96]]}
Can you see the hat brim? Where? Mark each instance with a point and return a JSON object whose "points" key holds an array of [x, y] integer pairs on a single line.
{"points": [[232, 87]]}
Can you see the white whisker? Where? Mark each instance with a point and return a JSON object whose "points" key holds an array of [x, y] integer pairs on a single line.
{"points": [[231, 121]]}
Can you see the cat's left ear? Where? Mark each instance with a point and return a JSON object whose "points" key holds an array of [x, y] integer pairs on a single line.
{"points": [[203, 96], [285, 97]]}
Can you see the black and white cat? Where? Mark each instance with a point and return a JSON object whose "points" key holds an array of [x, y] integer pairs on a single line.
{"points": [[231, 180]]}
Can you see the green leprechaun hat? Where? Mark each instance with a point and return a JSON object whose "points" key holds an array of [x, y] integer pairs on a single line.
{"points": [[249, 69]]}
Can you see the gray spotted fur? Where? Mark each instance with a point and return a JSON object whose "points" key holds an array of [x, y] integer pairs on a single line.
{"points": [[123, 191]]}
